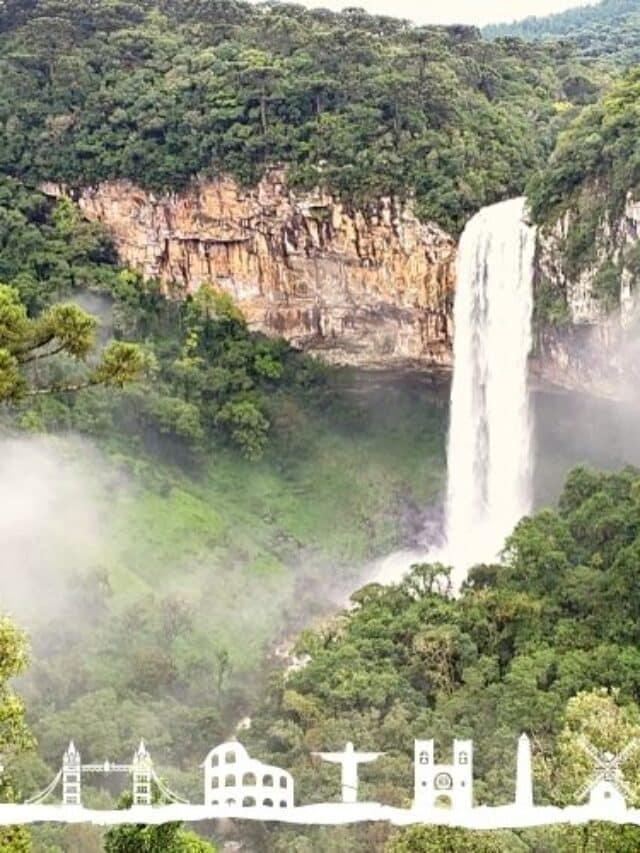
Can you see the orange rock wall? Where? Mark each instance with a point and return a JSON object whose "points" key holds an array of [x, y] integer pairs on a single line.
{"points": [[371, 288]]}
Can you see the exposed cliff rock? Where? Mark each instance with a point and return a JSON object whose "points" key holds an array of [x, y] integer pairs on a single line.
{"points": [[371, 288], [608, 244], [587, 270]]}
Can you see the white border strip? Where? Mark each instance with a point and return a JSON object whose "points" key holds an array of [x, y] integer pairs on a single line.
{"points": [[483, 817]]}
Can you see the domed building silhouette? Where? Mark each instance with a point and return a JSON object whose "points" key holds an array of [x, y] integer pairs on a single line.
{"points": [[233, 779]]}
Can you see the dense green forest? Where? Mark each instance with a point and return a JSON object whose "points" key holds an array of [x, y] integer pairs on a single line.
{"points": [[161, 91], [595, 162], [608, 30], [598, 150], [220, 491], [546, 643]]}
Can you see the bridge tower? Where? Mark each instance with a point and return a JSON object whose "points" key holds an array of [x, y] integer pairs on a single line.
{"points": [[142, 769], [71, 773]]}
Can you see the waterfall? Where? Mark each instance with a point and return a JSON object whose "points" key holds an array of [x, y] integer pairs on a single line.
{"points": [[490, 433]]}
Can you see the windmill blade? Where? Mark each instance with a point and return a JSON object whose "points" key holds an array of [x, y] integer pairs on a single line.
{"points": [[588, 786], [625, 790], [581, 793], [592, 752], [630, 748]]}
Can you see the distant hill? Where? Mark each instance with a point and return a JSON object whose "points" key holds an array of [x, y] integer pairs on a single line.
{"points": [[610, 29]]}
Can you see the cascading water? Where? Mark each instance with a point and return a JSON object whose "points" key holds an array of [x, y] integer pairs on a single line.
{"points": [[491, 427], [490, 433]]}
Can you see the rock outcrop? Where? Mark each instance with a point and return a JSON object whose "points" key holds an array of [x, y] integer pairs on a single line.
{"points": [[593, 345], [614, 241], [371, 287]]}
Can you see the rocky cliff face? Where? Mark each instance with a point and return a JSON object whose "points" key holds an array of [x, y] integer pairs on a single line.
{"points": [[588, 298], [372, 288], [588, 328]]}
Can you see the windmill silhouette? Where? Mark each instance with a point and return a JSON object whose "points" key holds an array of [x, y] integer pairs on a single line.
{"points": [[607, 778]]}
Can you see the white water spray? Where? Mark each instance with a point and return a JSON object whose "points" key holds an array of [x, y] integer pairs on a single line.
{"points": [[490, 434]]}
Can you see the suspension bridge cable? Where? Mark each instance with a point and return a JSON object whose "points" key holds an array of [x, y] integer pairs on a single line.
{"points": [[166, 791], [42, 796]]}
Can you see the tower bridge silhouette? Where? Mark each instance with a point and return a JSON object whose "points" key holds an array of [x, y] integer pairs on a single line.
{"points": [[141, 770]]}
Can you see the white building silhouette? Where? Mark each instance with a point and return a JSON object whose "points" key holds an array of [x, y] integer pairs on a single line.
{"points": [[607, 789], [524, 775], [443, 784], [232, 778], [349, 760], [237, 786], [71, 776], [606, 795]]}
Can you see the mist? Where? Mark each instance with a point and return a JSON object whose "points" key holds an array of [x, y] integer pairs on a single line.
{"points": [[595, 424], [52, 528]]}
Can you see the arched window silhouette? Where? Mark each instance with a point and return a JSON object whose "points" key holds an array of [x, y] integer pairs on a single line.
{"points": [[229, 780], [268, 781], [249, 801], [230, 802], [249, 779], [283, 781], [443, 802], [215, 782], [283, 804], [230, 757], [424, 758], [463, 758], [267, 802], [215, 760]]}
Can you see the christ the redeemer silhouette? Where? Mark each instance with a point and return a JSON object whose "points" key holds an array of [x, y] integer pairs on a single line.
{"points": [[349, 759]]}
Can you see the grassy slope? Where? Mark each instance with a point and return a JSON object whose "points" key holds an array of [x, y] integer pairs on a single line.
{"points": [[257, 549], [336, 504]]}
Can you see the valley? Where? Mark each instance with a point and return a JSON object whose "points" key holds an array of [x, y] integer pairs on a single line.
{"points": [[318, 344]]}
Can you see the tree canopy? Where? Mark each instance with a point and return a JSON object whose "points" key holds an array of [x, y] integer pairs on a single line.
{"points": [[15, 738], [609, 30], [159, 92], [63, 329], [546, 643], [598, 154]]}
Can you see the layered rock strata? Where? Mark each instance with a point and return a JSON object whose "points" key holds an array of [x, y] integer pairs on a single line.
{"points": [[372, 288]]}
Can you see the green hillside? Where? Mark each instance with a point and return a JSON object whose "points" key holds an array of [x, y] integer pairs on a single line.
{"points": [[195, 519], [530, 645], [608, 30], [161, 91]]}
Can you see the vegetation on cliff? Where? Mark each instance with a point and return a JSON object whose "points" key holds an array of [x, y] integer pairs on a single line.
{"points": [[207, 376], [592, 172], [599, 150], [595, 160], [161, 91]]}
